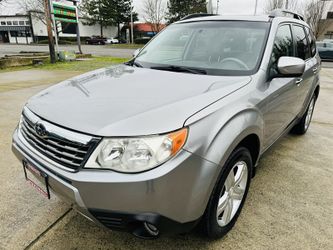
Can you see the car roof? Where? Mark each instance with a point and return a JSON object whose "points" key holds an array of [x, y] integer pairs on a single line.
{"points": [[259, 18], [227, 18]]}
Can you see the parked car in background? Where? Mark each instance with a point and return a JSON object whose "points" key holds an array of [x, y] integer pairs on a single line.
{"points": [[96, 40], [325, 50], [112, 41], [121, 39], [171, 139], [328, 40]]}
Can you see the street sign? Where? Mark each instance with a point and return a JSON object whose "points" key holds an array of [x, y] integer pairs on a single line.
{"points": [[64, 13]]}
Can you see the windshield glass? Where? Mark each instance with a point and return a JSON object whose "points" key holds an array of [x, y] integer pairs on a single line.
{"points": [[218, 47]]}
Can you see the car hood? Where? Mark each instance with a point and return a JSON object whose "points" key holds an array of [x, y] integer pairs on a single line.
{"points": [[128, 101]]}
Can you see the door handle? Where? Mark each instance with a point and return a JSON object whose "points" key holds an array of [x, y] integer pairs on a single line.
{"points": [[315, 70], [299, 81]]}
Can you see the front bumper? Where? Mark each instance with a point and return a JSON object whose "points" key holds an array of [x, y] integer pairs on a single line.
{"points": [[172, 197]]}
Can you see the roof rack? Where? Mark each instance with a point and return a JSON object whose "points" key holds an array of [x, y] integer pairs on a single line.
{"points": [[288, 13], [197, 15]]}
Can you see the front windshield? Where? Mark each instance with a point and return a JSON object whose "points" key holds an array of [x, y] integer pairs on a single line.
{"points": [[218, 47]]}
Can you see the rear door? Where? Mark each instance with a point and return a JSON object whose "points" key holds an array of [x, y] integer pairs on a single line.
{"points": [[306, 50]]}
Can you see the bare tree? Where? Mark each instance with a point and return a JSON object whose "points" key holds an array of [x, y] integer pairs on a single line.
{"points": [[273, 4], [37, 10], [313, 14], [154, 12], [35, 7], [281, 4]]}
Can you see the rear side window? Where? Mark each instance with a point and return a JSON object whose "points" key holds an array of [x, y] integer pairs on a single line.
{"points": [[283, 46], [312, 41], [302, 45]]}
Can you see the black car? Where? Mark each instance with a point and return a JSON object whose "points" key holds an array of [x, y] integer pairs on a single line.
{"points": [[325, 50], [96, 40]]}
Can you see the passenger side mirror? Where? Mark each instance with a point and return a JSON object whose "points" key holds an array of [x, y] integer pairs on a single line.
{"points": [[136, 52], [291, 66]]}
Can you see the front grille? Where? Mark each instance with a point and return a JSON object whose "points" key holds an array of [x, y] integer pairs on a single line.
{"points": [[68, 153]]}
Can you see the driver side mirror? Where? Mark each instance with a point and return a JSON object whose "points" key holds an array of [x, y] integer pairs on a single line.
{"points": [[136, 52], [291, 66]]}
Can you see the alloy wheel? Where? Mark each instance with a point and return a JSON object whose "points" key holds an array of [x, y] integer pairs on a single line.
{"points": [[309, 114], [232, 193]]}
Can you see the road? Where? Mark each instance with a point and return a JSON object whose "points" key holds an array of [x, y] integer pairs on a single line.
{"points": [[289, 206], [98, 50]]}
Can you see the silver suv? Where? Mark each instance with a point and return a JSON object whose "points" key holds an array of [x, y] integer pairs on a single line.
{"points": [[173, 137]]}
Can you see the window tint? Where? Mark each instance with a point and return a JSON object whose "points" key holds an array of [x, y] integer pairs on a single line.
{"points": [[312, 41], [283, 46], [302, 45]]}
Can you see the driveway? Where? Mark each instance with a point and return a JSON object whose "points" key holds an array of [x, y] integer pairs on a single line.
{"points": [[289, 206], [98, 50]]}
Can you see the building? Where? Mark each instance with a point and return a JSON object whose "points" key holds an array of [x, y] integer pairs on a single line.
{"points": [[326, 27], [15, 29], [29, 28], [143, 31]]}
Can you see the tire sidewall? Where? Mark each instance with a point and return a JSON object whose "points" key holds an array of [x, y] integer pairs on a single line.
{"points": [[213, 229]]}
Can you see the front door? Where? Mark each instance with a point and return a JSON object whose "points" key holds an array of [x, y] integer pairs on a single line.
{"points": [[279, 107], [4, 38]]}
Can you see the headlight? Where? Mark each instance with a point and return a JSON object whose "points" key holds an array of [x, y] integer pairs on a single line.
{"points": [[139, 154]]}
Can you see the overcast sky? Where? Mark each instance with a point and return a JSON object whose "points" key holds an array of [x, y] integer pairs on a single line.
{"points": [[225, 6]]}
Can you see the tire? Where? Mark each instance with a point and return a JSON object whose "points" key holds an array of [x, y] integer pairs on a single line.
{"points": [[216, 224], [302, 126]]}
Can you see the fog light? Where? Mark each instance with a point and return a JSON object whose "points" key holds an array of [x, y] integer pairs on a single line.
{"points": [[151, 229]]}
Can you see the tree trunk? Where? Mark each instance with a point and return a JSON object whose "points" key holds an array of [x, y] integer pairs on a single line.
{"points": [[118, 25], [101, 24]]}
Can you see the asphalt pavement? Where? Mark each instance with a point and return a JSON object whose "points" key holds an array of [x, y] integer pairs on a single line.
{"points": [[98, 50], [289, 206]]}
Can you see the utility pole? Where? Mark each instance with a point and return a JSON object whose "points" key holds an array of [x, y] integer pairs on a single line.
{"points": [[255, 7], [287, 4], [47, 8], [78, 38], [55, 29], [132, 35]]}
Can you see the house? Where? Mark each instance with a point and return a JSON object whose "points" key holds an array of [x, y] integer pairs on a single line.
{"points": [[141, 31], [326, 27], [31, 27]]}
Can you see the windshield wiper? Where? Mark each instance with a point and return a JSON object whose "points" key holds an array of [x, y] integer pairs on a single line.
{"points": [[181, 69], [133, 63]]}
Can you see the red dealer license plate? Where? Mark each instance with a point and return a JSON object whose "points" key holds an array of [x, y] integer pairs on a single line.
{"points": [[37, 179]]}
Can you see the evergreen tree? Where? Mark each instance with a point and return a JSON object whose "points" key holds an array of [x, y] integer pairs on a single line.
{"points": [[177, 9], [93, 12], [118, 12], [107, 12]]}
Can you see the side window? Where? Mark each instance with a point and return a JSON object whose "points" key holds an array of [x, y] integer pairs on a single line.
{"points": [[312, 41], [283, 46], [302, 45]]}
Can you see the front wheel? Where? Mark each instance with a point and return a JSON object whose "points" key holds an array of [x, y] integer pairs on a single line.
{"points": [[302, 126], [229, 194]]}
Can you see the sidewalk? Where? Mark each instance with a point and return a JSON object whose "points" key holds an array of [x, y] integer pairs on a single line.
{"points": [[28, 78]]}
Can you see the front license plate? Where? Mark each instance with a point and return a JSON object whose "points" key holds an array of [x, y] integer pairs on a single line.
{"points": [[37, 179]]}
